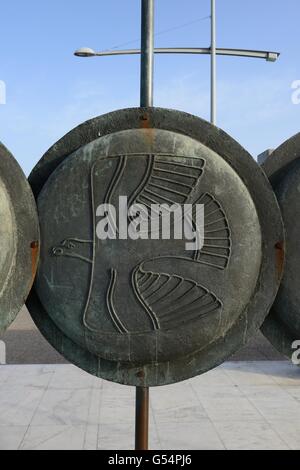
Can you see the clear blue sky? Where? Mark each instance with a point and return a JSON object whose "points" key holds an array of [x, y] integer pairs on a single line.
{"points": [[49, 91]]}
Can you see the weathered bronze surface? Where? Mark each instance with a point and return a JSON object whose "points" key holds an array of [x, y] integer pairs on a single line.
{"points": [[282, 326], [149, 312], [19, 234]]}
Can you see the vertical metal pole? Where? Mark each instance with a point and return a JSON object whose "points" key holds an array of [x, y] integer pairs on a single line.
{"points": [[147, 53], [147, 71], [142, 418], [213, 109]]}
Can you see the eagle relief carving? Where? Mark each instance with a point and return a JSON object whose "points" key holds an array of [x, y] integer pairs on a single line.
{"points": [[146, 284]]}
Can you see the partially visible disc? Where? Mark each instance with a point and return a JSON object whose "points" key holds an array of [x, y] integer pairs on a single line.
{"points": [[19, 235], [282, 326]]}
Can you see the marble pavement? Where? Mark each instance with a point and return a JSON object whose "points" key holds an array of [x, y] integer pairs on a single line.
{"points": [[240, 405]]}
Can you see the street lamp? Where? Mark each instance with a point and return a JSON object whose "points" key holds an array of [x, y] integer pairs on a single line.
{"points": [[254, 54], [213, 51]]}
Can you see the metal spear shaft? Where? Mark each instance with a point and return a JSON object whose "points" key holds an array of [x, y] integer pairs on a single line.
{"points": [[147, 53], [213, 91], [147, 60]]}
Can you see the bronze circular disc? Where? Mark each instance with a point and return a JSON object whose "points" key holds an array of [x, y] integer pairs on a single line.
{"points": [[149, 312], [282, 326], [19, 234]]}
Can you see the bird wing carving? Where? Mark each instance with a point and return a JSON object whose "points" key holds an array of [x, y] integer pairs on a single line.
{"points": [[173, 300], [217, 246], [168, 182]]}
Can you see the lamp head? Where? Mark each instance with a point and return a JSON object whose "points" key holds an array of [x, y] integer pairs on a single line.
{"points": [[272, 56], [85, 52]]}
